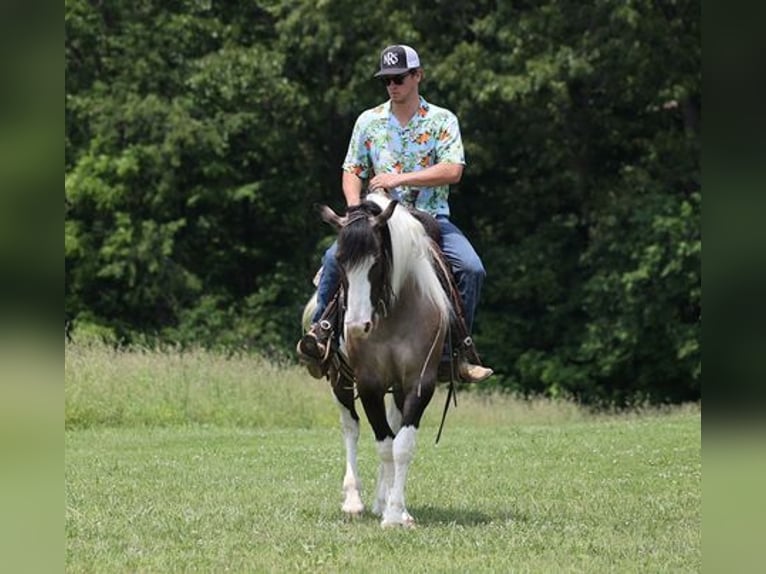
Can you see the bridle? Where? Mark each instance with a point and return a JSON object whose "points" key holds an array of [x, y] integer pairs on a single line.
{"points": [[385, 297]]}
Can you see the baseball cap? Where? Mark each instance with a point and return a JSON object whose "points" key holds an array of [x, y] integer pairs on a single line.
{"points": [[396, 60]]}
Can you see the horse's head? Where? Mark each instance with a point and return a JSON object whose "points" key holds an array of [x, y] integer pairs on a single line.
{"points": [[364, 259]]}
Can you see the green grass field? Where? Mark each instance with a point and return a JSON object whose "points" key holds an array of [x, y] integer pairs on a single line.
{"points": [[194, 462]]}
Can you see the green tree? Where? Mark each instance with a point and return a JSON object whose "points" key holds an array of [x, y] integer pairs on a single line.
{"points": [[200, 134]]}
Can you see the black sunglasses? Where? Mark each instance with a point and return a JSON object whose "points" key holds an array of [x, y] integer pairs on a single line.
{"points": [[398, 80]]}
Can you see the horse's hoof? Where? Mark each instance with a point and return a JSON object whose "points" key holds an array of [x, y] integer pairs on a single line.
{"points": [[409, 525], [407, 520], [404, 520], [353, 514], [353, 509]]}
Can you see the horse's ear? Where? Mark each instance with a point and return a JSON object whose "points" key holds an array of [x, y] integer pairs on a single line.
{"points": [[329, 216], [382, 219]]}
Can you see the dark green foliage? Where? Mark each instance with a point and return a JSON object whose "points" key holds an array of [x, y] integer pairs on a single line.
{"points": [[200, 134]]}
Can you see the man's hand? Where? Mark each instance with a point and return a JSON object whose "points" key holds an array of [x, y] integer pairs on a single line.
{"points": [[385, 181]]}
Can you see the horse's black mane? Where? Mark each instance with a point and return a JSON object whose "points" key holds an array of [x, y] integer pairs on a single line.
{"points": [[359, 239]]}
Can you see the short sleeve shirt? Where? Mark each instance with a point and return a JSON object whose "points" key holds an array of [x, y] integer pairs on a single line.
{"points": [[379, 144]]}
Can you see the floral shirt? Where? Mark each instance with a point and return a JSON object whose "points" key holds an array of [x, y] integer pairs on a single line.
{"points": [[379, 144]]}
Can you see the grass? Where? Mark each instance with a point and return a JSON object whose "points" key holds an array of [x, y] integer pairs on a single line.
{"points": [[107, 387], [194, 462]]}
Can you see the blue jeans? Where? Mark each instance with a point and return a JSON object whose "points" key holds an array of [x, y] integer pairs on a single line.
{"points": [[465, 262]]}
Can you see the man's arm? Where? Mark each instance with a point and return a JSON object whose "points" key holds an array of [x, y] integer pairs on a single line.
{"points": [[352, 188], [439, 174]]}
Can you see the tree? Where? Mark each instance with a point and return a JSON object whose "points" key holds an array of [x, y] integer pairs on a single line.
{"points": [[199, 135]]}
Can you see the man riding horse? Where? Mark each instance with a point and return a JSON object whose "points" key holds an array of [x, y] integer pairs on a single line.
{"points": [[413, 150]]}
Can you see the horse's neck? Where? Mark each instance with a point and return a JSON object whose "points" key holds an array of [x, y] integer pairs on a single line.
{"points": [[415, 279]]}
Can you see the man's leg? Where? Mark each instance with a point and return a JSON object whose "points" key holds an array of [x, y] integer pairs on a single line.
{"points": [[314, 346], [469, 275], [328, 282]]}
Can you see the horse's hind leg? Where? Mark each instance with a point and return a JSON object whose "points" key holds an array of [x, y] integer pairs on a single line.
{"points": [[349, 422], [394, 415], [385, 475], [386, 453]]}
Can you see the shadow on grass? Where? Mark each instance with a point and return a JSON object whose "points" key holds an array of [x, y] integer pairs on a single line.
{"points": [[426, 515], [435, 515]]}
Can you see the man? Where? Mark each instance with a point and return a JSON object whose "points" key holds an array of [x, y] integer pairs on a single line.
{"points": [[413, 150]]}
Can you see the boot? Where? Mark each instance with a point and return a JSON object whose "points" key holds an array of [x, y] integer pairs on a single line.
{"points": [[469, 373], [466, 372], [469, 368], [314, 349]]}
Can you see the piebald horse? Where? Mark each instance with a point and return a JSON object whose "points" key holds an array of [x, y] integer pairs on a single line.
{"points": [[396, 318]]}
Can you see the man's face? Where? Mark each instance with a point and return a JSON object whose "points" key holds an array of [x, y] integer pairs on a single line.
{"points": [[401, 87]]}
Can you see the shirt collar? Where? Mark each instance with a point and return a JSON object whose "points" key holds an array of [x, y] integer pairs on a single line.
{"points": [[421, 112]]}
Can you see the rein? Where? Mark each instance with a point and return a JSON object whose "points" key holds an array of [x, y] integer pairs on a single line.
{"points": [[355, 216], [451, 391]]}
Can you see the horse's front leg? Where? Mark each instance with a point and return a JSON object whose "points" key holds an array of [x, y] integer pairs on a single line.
{"points": [[372, 396], [349, 422], [403, 452]]}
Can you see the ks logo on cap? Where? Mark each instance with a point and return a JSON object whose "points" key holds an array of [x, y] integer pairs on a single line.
{"points": [[391, 58]]}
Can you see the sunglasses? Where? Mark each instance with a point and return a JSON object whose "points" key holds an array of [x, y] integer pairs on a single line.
{"points": [[398, 80]]}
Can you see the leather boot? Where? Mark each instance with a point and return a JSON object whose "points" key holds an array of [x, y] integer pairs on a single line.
{"points": [[469, 368], [466, 372], [314, 349], [470, 373]]}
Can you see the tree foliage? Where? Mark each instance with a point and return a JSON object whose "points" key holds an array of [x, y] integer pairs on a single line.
{"points": [[200, 134]]}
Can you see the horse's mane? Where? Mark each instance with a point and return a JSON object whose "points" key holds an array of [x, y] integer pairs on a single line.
{"points": [[358, 242], [411, 255]]}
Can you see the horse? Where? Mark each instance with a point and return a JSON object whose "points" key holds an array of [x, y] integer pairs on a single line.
{"points": [[397, 316]]}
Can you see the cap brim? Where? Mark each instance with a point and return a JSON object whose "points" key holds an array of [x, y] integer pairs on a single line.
{"points": [[391, 72]]}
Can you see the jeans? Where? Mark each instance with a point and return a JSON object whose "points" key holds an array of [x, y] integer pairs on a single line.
{"points": [[328, 281], [465, 262]]}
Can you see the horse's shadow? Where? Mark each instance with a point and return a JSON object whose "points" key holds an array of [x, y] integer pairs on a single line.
{"points": [[429, 515], [439, 515]]}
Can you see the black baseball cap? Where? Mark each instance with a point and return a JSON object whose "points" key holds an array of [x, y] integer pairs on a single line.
{"points": [[396, 60]]}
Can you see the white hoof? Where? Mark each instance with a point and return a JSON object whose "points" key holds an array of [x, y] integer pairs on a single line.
{"points": [[352, 507], [353, 512], [398, 519]]}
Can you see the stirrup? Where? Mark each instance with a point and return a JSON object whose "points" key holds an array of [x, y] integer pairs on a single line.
{"points": [[465, 365], [325, 328], [310, 348], [468, 351]]}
